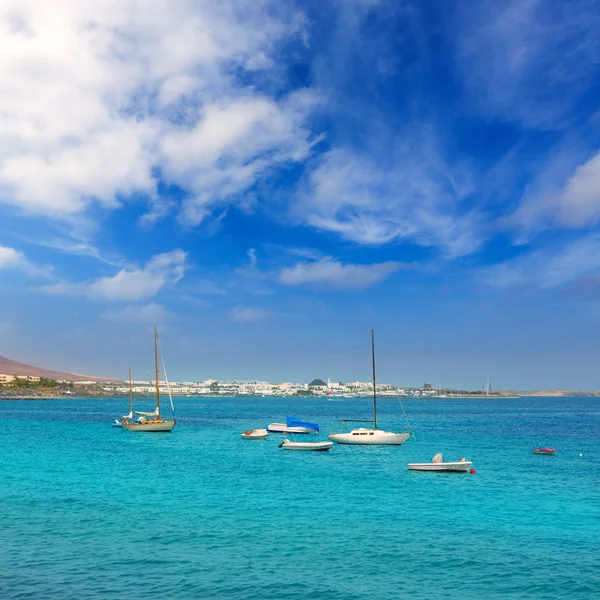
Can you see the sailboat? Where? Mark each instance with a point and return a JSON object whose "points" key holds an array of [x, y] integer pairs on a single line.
{"points": [[129, 417], [366, 436], [149, 421]]}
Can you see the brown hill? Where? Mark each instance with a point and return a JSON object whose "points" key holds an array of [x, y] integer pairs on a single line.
{"points": [[11, 367]]}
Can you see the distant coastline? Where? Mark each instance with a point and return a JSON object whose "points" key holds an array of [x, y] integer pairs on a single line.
{"points": [[95, 394]]}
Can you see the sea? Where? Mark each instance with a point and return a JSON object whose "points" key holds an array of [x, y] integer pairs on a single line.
{"points": [[94, 512]]}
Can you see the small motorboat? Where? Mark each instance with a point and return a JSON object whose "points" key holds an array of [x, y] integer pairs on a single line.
{"points": [[255, 434], [293, 425], [117, 423], [310, 446], [438, 465], [544, 451]]}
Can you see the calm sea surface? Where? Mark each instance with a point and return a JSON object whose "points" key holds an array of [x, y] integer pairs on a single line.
{"points": [[92, 512]]}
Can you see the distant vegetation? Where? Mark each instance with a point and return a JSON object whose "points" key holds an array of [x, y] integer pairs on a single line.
{"points": [[43, 383]]}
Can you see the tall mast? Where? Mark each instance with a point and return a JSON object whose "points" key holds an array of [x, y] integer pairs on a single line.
{"points": [[374, 379], [156, 365], [130, 394]]}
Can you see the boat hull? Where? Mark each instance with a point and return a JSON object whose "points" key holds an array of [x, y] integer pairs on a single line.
{"points": [[283, 428], [257, 434], [448, 467], [369, 437], [162, 425], [307, 446]]}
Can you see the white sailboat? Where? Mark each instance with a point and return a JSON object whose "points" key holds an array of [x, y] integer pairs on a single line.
{"points": [[149, 421], [367, 436]]}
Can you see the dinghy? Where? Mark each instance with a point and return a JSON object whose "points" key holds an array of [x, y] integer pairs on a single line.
{"points": [[255, 434], [437, 464], [544, 451], [310, 446]]}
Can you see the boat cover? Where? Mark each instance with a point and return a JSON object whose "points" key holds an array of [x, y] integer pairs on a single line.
{"points": [[298, 422]]}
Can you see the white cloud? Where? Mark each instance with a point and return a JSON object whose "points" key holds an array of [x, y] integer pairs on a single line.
{"points": [[548, 268], [413, 197], [251, 268], [98, 97], [149, 314], [233, 145], [129, 284], [9, 257], [564, 195], [527, 61], [580, 198], [331, 273], [244, 314]]}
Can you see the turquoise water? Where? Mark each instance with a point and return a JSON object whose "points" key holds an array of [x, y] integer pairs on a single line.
{"points": [[95, 512]]}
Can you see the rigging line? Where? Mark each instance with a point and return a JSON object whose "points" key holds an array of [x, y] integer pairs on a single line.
{"points": [[410, 427], [162, 358]]}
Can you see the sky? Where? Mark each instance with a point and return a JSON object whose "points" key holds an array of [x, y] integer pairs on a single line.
{"points": [[266, 182]]}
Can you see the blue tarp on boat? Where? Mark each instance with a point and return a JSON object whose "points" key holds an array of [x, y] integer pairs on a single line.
{"points": [[298, 422]]}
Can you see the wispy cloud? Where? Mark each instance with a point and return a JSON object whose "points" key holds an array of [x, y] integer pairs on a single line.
{"points": [[250, 269], [329, 273], [415, 197], [527, 60], [245, 314], [564, 195], [548, 267], [11, 258], [149, 314], [129, 284]]}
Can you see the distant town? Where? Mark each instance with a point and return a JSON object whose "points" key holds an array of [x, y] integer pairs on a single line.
{"points": [[212, 387], [31, 386]]}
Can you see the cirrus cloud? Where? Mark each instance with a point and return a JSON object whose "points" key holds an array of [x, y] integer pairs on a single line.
{"points": [[245, 314], [328, 272]]}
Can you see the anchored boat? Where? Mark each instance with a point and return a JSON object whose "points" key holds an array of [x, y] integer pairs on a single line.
{"points": [[366, 436], [151, 421], [119, 423], [309, 446], [255, 434], [293, 425], [437, 464]]}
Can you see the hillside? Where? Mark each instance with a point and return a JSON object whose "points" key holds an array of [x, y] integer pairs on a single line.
{"points": [[11, 367]]}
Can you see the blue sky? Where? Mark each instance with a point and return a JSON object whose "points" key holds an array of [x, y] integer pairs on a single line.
{"points": [[267, 181]]}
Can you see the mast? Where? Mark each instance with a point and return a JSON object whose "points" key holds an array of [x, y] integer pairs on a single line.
{"points": [[130, 394], [156, 366], [374, 379]]}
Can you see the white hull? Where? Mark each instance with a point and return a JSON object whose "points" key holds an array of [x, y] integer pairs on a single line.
{"points": [[310, 446], [161, 425], [283, 428], [370, 437], [256, 434], [448, 467]]}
